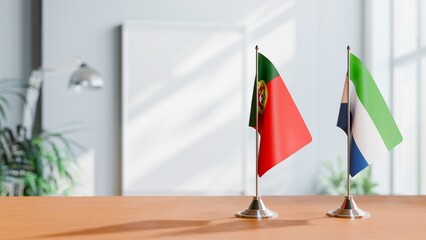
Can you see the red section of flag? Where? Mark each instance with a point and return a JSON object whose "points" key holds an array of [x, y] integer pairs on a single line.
{"points": [[281, 127]]}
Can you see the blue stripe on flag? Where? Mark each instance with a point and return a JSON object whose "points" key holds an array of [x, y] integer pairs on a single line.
{"points": [[341, 120], [358, 161]]}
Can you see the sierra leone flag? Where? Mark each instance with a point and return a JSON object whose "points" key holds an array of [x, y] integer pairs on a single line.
{"points": [[374, 131]]}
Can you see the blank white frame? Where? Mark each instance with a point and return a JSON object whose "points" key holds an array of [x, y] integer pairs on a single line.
{"points": [[125, 91]]}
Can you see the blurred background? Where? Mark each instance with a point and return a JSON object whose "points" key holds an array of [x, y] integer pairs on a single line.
{"points": [[172, 116]]}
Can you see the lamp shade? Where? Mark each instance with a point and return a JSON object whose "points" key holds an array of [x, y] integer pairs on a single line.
{"points": [[86, 77]]}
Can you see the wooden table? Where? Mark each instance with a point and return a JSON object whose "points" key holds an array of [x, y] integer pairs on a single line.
{"points": [[301, 217]]}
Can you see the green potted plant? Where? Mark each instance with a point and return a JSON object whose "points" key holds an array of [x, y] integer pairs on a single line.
{"points": [[333, 180], [41, 164]]}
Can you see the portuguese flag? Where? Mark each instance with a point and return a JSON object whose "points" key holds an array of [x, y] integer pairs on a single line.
{"points": [[281, 127]]}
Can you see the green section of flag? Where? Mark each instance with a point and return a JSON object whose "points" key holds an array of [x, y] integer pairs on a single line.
{"points": [[369, 95], [266, 70]]}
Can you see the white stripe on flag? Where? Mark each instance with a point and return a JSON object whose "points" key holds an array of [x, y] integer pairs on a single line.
{"points": [[345, 92], [364, 132]]}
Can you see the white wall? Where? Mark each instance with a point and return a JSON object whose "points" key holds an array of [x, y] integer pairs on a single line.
{"points": [[306, 40], [15, 47]]}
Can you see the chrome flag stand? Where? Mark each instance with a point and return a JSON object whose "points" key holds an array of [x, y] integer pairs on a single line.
{"points": [[257, 208], [348, 209]]}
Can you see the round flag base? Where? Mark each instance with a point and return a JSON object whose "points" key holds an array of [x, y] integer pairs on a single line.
{"points": [[257, 209], [349, 209]]}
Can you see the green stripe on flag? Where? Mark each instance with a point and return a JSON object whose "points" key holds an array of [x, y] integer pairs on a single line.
{"points": [[267, 71], [369, 95]]}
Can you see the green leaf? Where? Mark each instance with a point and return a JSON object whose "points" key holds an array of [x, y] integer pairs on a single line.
{"points": [[30, 180], [4, 101], [2, 113]]}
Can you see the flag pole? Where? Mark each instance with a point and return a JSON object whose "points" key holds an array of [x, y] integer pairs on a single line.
{"points": [[257, 122], [257, 208], [348, 124], [348, 209]]}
